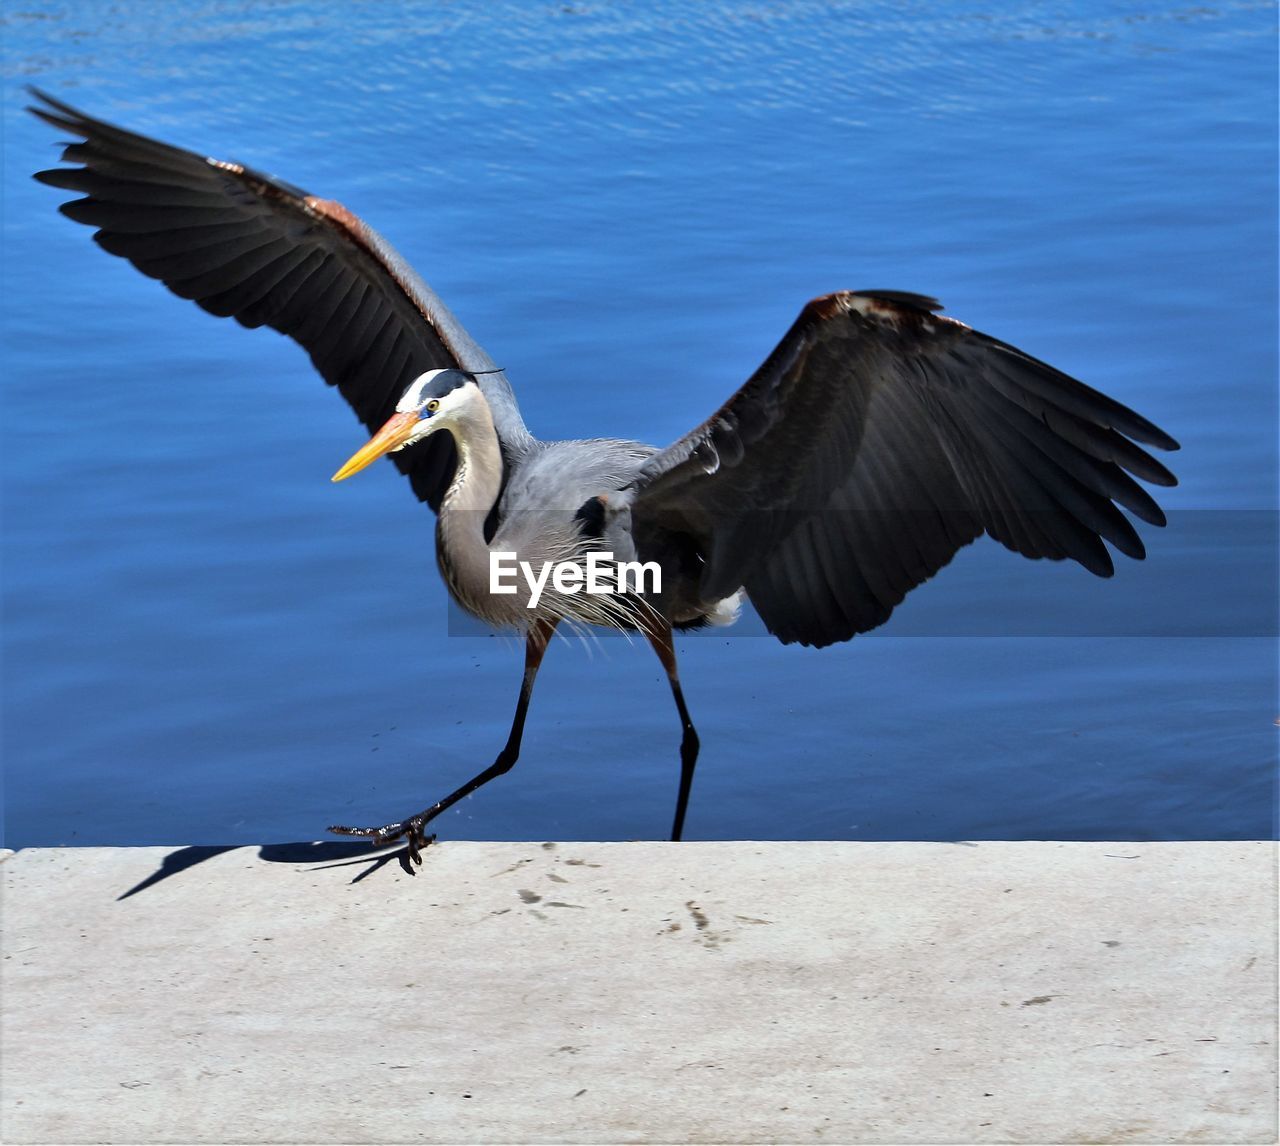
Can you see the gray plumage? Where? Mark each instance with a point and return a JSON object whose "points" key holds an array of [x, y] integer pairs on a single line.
{"points": [[876, 440]]}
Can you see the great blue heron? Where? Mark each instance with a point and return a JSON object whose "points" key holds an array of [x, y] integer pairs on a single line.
{"points": [[876, 440]]}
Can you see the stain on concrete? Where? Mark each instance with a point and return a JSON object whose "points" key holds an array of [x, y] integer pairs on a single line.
{"points": [[514, 867], [706, 936]]}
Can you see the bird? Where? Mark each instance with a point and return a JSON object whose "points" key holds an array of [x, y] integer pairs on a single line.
{"points": [[877, 439]]}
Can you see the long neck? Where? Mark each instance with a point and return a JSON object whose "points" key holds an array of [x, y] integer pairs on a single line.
{"points": [[461, 548]]}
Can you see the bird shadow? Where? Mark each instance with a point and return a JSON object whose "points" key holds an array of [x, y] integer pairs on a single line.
{"points": [[328, 854]]}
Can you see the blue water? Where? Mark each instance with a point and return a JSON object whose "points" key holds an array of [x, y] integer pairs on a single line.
{"points": [[207, 642]]}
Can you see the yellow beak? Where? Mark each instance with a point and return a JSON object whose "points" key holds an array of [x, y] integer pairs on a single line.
{"points": [[395, 433]]}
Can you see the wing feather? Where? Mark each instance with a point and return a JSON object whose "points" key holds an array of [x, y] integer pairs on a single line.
{"points": [[245, 245], [1069, 480], [876, 440], [244, 300], [176, 243], [264, 248]]}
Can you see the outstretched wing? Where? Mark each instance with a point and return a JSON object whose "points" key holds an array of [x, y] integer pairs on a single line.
{"points": [[248, 246], [878, 439]]}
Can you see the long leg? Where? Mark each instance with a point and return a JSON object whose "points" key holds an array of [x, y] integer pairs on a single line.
{"points": [[411, 829], [664, 646]]}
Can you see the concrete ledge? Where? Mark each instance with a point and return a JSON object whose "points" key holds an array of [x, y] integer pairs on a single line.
{"points": [[705, 992]]}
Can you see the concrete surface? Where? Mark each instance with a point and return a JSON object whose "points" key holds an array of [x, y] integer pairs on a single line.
{"points": [[726, 992]]}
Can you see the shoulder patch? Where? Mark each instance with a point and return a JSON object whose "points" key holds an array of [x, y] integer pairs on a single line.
{"points": [[902, 298], [590, 517], [886, 305]]}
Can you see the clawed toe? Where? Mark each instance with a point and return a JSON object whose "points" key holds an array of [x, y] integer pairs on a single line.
{"points": [[412, 831], [417, 838]]}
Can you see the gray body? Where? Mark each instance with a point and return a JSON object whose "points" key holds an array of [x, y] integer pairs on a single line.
{"points": [[546, 502]]}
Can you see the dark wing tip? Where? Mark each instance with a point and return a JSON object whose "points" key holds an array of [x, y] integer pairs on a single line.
{"points": [[1133, 424], [44, 97], [1158, 438], [61, 122], [67, 118], [1157, 474], [54, 177], [57, 112], [62, 114]]}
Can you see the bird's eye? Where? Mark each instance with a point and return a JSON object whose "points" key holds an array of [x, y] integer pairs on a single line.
{"points": [[433, 406]]}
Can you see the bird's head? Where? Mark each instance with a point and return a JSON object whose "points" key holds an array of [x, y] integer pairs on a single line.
{"points": [[433, 401]]}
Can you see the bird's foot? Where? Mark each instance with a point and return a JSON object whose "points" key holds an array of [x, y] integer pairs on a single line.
{"points": [[412, 831]]}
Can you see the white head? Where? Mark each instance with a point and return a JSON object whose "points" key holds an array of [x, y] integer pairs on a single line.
{"points": [[433, 401]]}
